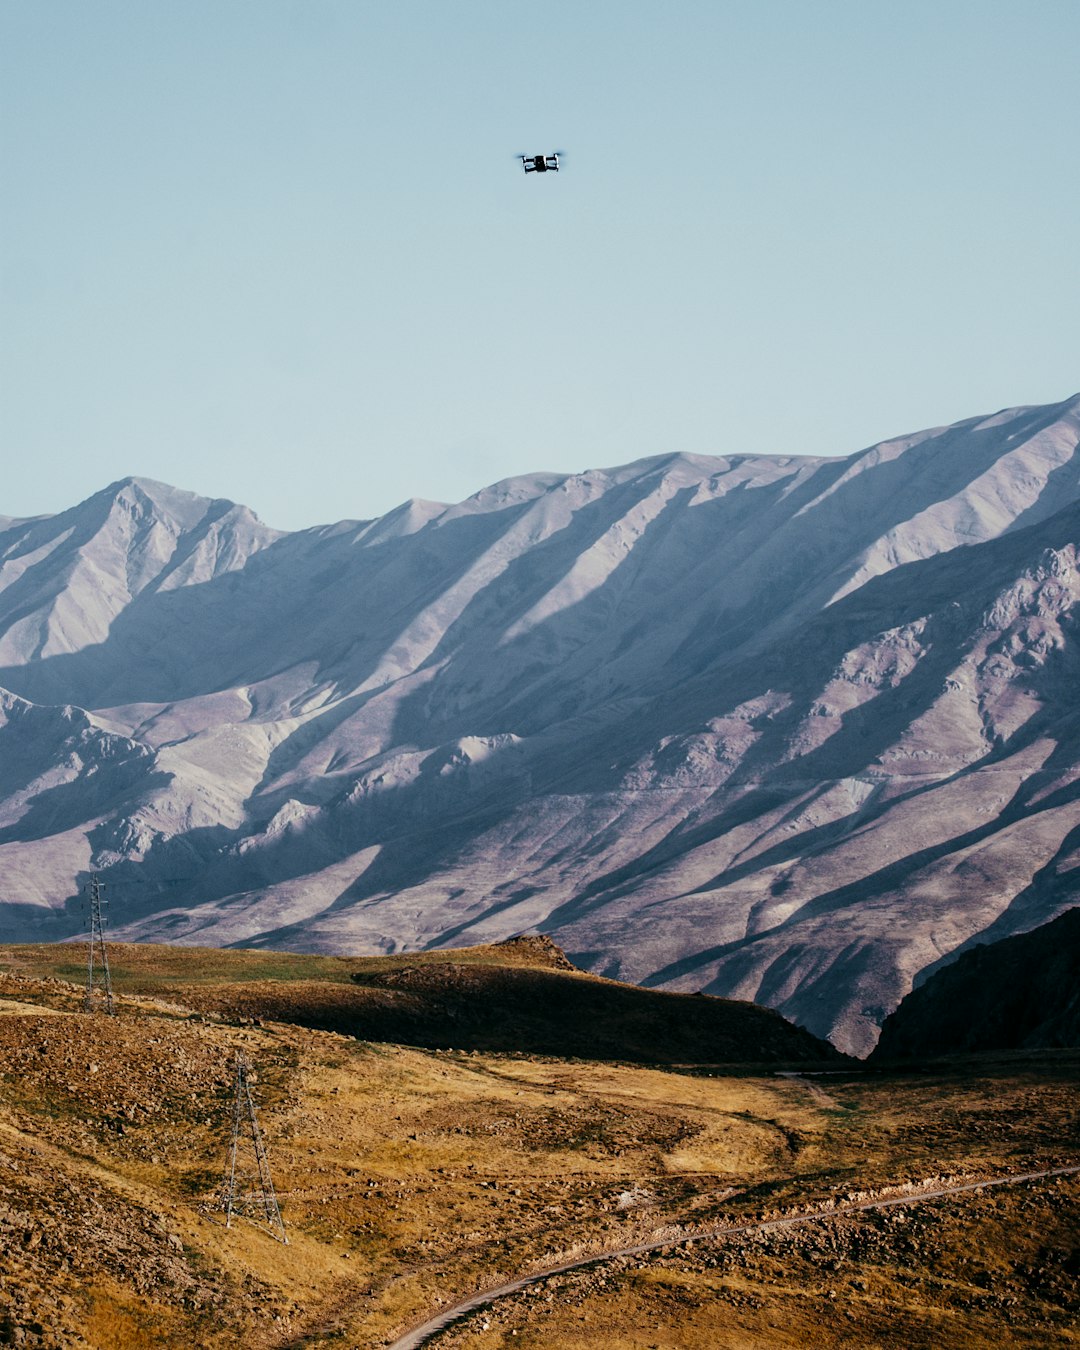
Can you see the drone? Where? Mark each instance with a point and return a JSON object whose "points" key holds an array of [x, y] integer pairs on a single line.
{"points": [[540, 163]]}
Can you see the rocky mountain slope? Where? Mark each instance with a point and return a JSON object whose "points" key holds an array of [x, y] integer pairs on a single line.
{"points": [[1021, 993], [780, 728]]}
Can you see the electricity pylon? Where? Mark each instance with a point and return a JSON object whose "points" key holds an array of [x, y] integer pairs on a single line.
{"points": [[247, 1189], [97, 944]]}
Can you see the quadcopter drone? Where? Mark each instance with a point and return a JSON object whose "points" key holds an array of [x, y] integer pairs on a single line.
{"points": [[540, 163]]}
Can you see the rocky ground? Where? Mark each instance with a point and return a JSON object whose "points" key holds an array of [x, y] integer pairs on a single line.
{"points": [[882, 1280], [409, 1178]]}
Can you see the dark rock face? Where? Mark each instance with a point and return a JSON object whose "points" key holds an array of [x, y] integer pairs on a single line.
{"points": [[1020, 993]]}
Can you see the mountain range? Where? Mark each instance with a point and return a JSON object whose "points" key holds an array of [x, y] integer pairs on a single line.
{"points": [[792, 729]]}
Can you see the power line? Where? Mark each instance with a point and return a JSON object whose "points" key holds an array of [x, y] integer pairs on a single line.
{"points": [[97, 946], [247, 1188]]}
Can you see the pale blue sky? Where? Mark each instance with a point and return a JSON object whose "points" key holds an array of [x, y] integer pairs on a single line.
{"points": [[280, 250]]}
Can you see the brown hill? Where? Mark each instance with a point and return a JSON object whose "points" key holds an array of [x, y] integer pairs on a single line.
{"points": [[522, 995], [1020, 993], [565, 1012]]}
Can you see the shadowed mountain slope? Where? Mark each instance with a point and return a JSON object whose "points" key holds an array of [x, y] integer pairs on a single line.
{"points": [[782, 728], [1022, 993]]}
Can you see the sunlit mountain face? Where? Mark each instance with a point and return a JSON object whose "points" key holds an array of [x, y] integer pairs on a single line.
{"points": [[781, 728]]}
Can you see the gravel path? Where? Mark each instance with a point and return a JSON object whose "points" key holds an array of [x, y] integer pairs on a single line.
{"points": [[419, 1336]]}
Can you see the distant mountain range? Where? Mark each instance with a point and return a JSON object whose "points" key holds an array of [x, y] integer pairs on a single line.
{"points": [[782, 728]]}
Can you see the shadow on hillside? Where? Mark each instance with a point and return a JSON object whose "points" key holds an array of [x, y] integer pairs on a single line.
{"points": [[525, 1010]]}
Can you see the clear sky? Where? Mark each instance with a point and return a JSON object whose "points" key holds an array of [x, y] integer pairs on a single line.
{"points": [[280, 250]]}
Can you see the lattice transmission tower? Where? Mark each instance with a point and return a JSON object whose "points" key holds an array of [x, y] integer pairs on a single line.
{"points": [[247, 1189], [97, 948]]}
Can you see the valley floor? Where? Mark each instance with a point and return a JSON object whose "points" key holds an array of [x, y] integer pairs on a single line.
{"points": [[410, 1178]]}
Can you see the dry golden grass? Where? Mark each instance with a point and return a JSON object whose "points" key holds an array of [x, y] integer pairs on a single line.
{"points": [[147, 967], [989, 1270], [409, 1177]]}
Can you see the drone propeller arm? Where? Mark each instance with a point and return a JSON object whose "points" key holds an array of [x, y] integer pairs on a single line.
{"points": [[541, 163]]}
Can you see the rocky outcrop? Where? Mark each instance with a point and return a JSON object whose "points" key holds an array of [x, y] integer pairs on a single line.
{"points": [[534, 949]]}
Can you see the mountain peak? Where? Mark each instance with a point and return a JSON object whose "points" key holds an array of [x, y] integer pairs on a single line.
{"points": [[149, 496]]}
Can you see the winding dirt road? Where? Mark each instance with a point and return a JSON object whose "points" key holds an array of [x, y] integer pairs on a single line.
{"points": [[419, 1336]]}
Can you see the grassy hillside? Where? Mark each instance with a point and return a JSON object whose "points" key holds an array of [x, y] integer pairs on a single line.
{"points": [[522, 995], [410, 1176]]}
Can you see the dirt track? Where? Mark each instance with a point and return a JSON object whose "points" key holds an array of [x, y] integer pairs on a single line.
{"points": [[419, 1336]]}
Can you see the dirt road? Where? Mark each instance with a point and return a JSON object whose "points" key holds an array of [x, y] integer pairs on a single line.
{"points": [[419, 1336]]}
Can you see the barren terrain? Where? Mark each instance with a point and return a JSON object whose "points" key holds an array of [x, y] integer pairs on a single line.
{"points": [[410, 1177]]}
